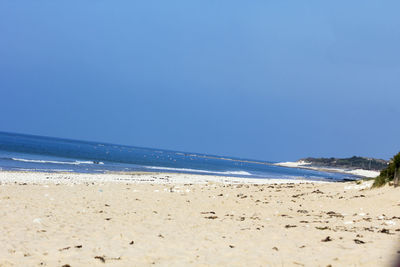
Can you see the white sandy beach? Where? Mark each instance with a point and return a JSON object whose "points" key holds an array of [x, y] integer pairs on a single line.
{"points": [[304, 165], [68, 219]]}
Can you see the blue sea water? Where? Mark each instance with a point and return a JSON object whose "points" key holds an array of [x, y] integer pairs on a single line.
{"points": [[39, 153]]}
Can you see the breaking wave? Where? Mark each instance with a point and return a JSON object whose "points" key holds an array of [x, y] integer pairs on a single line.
{"points": [[200, 171], [77, 162]]}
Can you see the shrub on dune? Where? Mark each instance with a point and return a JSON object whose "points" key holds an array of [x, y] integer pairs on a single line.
{"points": [[390, 173]]}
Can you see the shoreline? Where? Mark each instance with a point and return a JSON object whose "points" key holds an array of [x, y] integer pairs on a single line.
{"points": [[66, 219], [137, 177], [304, 165]]}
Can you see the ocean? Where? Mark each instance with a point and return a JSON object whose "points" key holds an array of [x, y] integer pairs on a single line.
{"points": [[20, 152]]}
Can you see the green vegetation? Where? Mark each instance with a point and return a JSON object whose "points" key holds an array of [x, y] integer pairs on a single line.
{"points": [[389, 173], [349, 163]]}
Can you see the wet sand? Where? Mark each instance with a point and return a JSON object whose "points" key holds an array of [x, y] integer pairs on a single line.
{"points": [[66, 220]]}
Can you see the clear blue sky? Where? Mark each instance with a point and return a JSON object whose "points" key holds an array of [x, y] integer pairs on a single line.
{"points": [[272, 80]]}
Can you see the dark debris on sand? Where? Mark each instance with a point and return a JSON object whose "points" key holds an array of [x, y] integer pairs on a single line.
{"points": [[213, 217], [327, 239], [101, 258]]}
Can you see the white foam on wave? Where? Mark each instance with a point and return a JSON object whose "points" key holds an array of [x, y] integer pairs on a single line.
{"points": [[56, 162], [43, 170], [200, 171]]}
